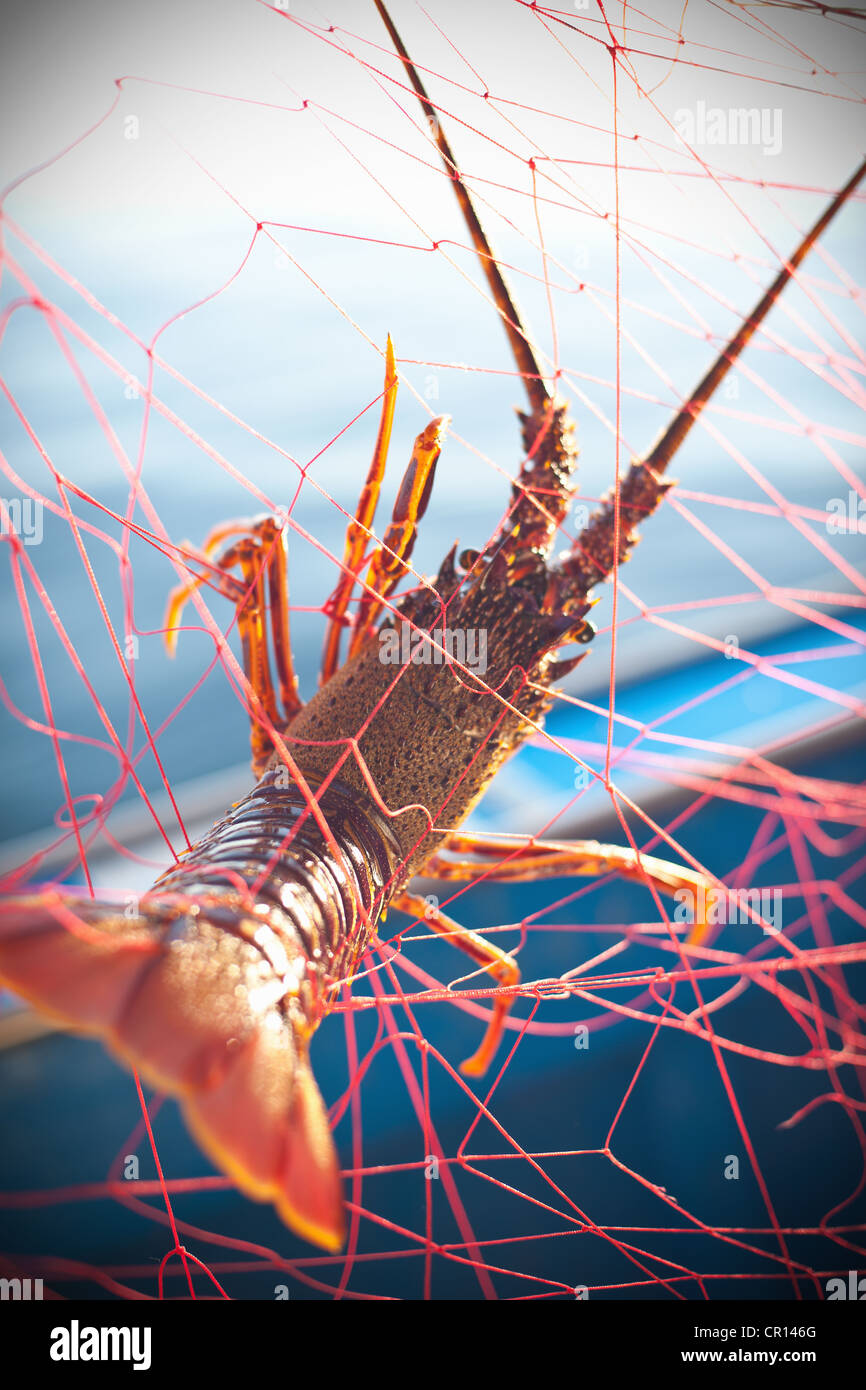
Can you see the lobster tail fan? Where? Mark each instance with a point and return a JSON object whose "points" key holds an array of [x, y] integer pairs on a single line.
{"points": [[75, 964], [265, 1124], [193, 1003]]}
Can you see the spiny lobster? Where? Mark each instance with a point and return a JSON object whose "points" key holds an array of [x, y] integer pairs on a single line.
{"points": [[214, 987]]}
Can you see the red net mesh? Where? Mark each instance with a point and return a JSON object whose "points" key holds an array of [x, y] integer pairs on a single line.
{"points": [[198, 277]]}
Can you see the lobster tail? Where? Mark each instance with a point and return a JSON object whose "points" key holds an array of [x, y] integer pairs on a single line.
{"points": [[203, 999], [265, 1124]]}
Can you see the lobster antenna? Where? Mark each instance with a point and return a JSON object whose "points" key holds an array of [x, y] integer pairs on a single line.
{"points": [[673, 436], [521, 347], [594, 555]]}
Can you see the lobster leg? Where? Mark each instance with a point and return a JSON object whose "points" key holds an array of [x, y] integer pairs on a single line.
{"points": [[358, 530], [496, 962], [260, 553], [390, 561], [505, 863]]}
